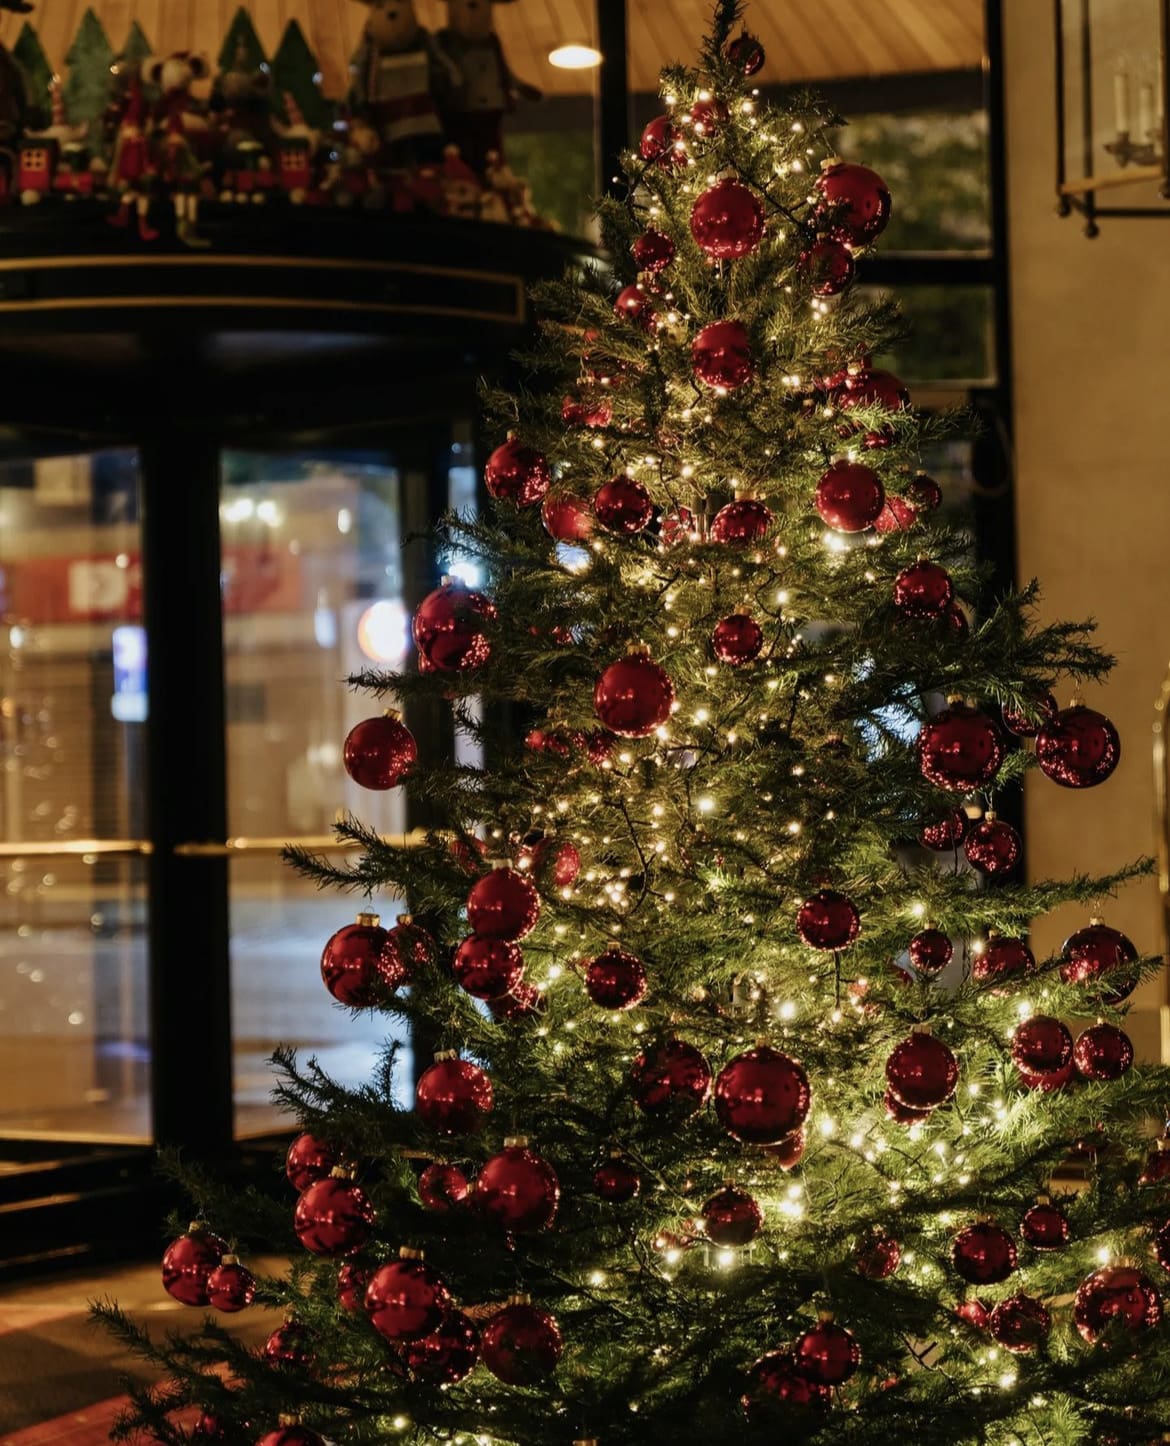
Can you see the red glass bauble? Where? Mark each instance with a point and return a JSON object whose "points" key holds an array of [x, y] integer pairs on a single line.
{"points": [[741, 523], [448, 1354], [923, 493], [828, 1354], [660, 143], [671, 1077], [517, 1189], [1103, 1052], [188, 1261], [1020, 1323], [360, 964], [1000, 960], [677, 526], [974, 1313], [231, 1286], [633, 696], [1162, 1245], [308, 1159], [351, 1286], [923, 590], [623, 506], [984, 1253], [633, 304], [576, 413], [616, 1181], [406, 1299], [503, 905], [993, 847], [487, 968], [849, 497], [415, 945], [380, 752], [1116, 1298], [746, 53], [709, 116], [446, 629], [1044, 1227], [555, 861], [828, 921], [732, 1218], [453, 1096], [333, 1217], [721, 355], [960, 749], [788, 1152], [761, 1096], [776, 1392], [875, 389], [1025, 727], [1102, 958], [727, 221], [521, 1344], [653, 251], [469, 852], [878, 1255], [289, 1348], [854, 204], [827, 265], [1042, 1045], [516, 473], [566, 518], [523, 1001], [922, 1072], [616, 979], [1157, 1166], [930, 951], [737, 639], [210, 1427], [1046, 1083], [903, 1114], [443, 1188], [1079, 748], [947, 833], [294, 1435], [896, 516]]}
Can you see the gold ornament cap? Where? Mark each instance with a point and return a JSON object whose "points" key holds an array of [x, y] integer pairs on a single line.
{"points": [[229, 1259], [515, 1142], [341, 1172], [288, 1418], [394, 713], [825, 1316], [408, 1252], [368, 919], [442, 1054], [520, 1298], [404, 919]]}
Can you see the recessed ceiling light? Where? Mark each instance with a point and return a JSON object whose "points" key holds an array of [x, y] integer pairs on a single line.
{"points": [[575, 56]]}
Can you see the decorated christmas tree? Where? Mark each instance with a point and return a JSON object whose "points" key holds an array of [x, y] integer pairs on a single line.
{"points": [[751, 1113]]}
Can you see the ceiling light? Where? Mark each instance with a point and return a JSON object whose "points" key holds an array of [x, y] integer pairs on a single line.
{"points": [[575, 56]]}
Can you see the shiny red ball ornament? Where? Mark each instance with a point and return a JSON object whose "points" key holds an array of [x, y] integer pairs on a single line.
{"points": [[960, 749], [406, 1298], [616, 979], [896, 516], [1102, 958], [653, 251], [721, 356], [453, 1096], [849, 497], [289, 1348], [1044, 1227], [761, 1096], [351, 1286], [380, 752], [308, 1160], [660, 143], [854, 204], [1042, 1045], [443, 1188], [1157, 1166], [983, 1253], [709, 116], [671, 1078], [788, 1152], [518, 1189], [516, 473], [828, 1354], [633, 696], [566, 518], [727, 221], [737, 639], [577, 413], [1001, 960], [878, 1255], [633, 304], [974, 1313], [1103, 1052], [415, 945], [616, 1181], [448, 1354], [1162, 1245], [1116, 1298], [334, 1216], [623, 506], [922, 1072], [1020, 1323], [487, 968], [923, 590], [210, 1427], [292, 1435], [469, 853], [875, 389], [188, 1261], [1079, 748], [923, 493], [231, 1286], [947, 833], [732, 1218], [503, 905], [993, 847], [556, 862], [930, 951], [360, 964], [676, 527], [1047, 1083], [828, 921], [446, 629], [776, 1392], [524, 1001], [746, 53], [521, 1344], [741, 523], [903, 1114], [1023, 726], [827, 266]]}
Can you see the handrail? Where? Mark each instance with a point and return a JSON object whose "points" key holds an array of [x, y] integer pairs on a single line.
{"points": [[324, 842], [79, 847]]}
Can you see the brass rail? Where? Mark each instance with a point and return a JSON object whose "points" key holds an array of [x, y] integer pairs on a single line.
{"points": [[78, 847], [230, 848], [1128, 177]]}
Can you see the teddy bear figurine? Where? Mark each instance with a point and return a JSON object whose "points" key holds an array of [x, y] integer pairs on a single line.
{"points": [[486, 91], [397, 71]]}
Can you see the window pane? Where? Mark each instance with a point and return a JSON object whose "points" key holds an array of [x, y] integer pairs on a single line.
{"points": [[950, 337]]}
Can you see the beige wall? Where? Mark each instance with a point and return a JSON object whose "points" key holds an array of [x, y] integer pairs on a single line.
{"points": [[1091, 338]]}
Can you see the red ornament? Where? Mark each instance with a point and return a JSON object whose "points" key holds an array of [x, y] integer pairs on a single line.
{"points": [[448, 1354], [776, 1391], [875, 389], [878, 1255], [959, 749], [828, 921], [974, 1313], [676, 527], [741, 523], [555, 861], [446, 629], [993, 847], [487, 968], [732, 1218], [453, 1096], [521, 1344], [661, 142], [1162, 1245], [828, 1354], [576, 413], [1079, 748], [721, 356], [415, 944], [443, 1188], [903, 1114], [849, 497], [469, 853], [827, 266], [1046, 1083], [923, 590], [188, 1261], [1103, 1052], [922, 1072], [789, 1151], [633, 696], [924, 493], [293, 1435], [623, 506], [633, 304], [308, 1159], [854, 204], [930, 951], [380, 752], [947, 833], [1157, 1166], [517, 1189], [289, 1348], [1025, 727], [616, 1181], [746, 53], [1000, 960], [1020, 1323], [516, 473], [231, 1286], [1042, 1045], [524, 1001], [897, 515], [406, 1299], [360, 964], [1116, 1298], [1044, 1227], [503, 905], [566, 518], [334, 1216], [351, 1286], [761, 1096], [671, 1077], [708, 117], [653, 251], [1101, 957], [727, 221], [737, 639], [984, 1253], [616, 979]]}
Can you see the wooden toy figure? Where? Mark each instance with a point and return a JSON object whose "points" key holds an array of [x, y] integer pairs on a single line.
{"points": [[132, 167], [181, 136], [397, 71], [474, 108]]}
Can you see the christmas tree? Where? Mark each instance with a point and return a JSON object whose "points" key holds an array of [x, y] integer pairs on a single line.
{"points": [[751, 1115], [89, 58]]}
